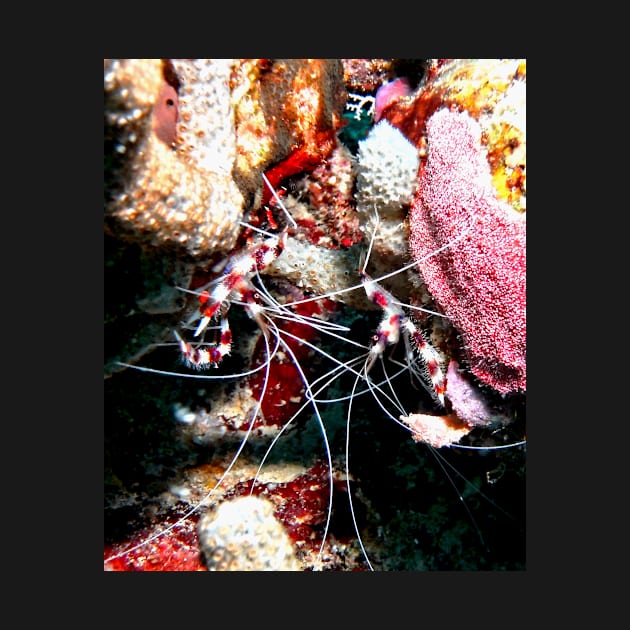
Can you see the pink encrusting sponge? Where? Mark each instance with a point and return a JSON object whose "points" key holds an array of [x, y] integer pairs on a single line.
{"points": [[479, 280]]}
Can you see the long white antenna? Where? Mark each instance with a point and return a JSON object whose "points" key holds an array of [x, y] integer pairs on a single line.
{"points": [[279, 201]]}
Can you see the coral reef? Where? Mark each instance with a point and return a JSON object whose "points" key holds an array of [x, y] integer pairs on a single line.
{"points": [[177, 129], [187, 143], [300, 503], [479, 282], [330, 190], [471, 408], [320, 269]]}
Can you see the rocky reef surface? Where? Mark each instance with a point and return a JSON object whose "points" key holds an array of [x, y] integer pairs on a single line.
{"points": [[419, 164]]}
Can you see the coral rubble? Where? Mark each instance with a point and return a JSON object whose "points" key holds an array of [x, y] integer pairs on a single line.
{"points": [[437, 431]]}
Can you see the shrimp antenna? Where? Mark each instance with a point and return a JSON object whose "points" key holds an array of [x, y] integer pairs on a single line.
{"points": [[279, 201]]}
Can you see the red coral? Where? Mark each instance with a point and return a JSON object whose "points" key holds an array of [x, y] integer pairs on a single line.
{"points": [[479, 281], [176, 551], [285, 388], [330, 189], [301, 504], [304, 158]]}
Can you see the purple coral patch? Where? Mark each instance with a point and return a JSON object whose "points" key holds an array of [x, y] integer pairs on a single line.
{"points": [[389, 93], [467, 400], [479, 281]]}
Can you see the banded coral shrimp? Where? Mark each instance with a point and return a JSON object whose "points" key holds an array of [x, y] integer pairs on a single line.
{"points": [[369, 378], [162, 528]]}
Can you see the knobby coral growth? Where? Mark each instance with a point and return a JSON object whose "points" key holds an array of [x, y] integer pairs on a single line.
{"points": [[171, 194]]}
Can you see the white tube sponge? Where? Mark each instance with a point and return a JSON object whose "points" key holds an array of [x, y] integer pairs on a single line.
{"points": [[387, 173], [387, 170]]}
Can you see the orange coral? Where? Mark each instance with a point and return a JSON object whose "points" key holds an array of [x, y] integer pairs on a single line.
{"points": [[165, 196], [287, 113]]}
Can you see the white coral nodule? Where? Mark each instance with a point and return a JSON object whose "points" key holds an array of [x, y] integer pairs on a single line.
{"points": [[387, 168], [244, 535]]}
